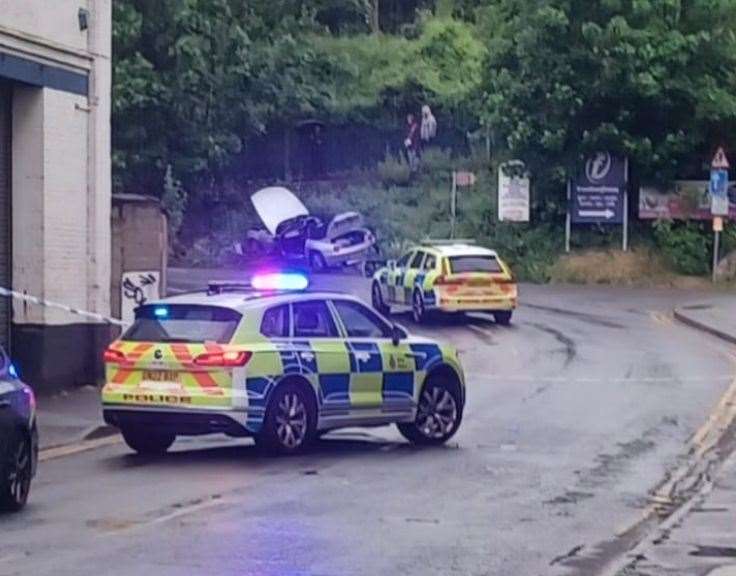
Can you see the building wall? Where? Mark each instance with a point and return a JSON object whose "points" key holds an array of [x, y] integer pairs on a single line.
{"points": [[61, 184], [49, 21]]}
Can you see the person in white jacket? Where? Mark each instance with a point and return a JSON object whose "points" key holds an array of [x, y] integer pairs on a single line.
{"points": [[428, 129]]}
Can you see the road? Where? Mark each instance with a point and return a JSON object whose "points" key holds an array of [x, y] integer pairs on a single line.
{"points": [[574, 414]]}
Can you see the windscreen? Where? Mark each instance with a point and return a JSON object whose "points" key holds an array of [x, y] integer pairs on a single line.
{"points": [[183, 323], [483, 264]]}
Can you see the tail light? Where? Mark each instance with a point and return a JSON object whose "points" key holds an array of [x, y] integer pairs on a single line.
{"points": [[230, 359], [112, 356]]}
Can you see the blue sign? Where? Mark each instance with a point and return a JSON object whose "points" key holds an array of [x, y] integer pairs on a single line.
{"points": [[718, 189], [598, 191]]}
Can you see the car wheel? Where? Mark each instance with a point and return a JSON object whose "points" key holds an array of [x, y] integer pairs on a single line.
{"points": [[439, 414], [317, 261], [147, 441], [417, 307], [291, 421], [15, 484], [369, 268], [503, 318], [377, 300]]}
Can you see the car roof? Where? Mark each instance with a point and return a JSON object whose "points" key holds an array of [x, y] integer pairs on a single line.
{"points": [[245, 300], [457, 250]]}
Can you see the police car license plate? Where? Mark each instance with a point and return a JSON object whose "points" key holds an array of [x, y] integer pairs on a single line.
{"points": [[160, 376]]}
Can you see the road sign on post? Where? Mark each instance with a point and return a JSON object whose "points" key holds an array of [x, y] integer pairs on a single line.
{"points": [[719, 204], [459, 179], [719, 192], [598, 191]]}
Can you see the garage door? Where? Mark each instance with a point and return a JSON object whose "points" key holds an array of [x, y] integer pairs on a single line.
{"points": [[5, 214]]}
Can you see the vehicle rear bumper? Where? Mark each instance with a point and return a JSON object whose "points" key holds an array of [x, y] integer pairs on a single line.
{"points": [[350, 255], [179, 422], [476, 304]]}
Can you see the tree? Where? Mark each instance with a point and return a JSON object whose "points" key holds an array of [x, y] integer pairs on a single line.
{"points": [[652, 79]]}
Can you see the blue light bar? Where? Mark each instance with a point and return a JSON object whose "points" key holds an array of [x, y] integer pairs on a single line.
{"points": [[280, 281], [161, 312], [13, 372]]}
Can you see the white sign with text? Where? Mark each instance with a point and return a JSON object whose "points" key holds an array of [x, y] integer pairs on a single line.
{"points": [[513, 193]]}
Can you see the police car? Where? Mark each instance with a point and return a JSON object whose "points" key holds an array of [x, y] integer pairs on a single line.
{"points": [[278, 363], [447, 277]]}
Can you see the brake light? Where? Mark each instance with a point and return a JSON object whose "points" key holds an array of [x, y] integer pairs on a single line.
{"points": [[112, 356], [230, 359]]}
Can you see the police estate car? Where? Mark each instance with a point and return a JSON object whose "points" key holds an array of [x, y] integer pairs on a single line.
{"points": [[282, 366], [446, 277]]}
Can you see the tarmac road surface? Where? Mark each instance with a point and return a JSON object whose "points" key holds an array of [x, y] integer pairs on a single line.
{"points": [[574, 414]]}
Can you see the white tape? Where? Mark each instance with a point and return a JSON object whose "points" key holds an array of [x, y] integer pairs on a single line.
{"points": [[49, 304]]}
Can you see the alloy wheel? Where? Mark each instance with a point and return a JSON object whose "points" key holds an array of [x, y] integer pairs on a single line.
{"points": [[291, 421], [437, 413]]}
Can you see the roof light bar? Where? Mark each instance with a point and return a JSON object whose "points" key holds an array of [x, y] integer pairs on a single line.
{"points": [[280, 281]]}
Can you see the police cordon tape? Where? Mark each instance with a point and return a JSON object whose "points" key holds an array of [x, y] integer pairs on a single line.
{"points": [[49, 304]]}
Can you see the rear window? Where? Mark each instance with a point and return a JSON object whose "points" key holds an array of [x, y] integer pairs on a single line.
{"points": [[487, 264], [183, 323]]}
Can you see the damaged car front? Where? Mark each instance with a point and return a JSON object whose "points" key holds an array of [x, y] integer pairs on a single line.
{"points": [[293, 233]]}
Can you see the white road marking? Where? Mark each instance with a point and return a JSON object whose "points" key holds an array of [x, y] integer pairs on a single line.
{"points": [[631, 379]]}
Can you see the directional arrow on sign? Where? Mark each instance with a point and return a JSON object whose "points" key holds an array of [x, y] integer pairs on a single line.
{"points": [[607, 214]]}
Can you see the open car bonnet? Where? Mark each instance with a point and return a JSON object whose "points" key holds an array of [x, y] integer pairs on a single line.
{"points": [[275, 205], [344, 223]]}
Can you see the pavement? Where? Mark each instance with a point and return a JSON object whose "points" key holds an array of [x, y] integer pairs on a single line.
{"points": [[700, 540], [70, 417], [565, 439]]}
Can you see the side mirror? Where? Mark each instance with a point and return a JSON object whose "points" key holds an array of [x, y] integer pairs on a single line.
{"points": [[391, 265], [397, 334]]}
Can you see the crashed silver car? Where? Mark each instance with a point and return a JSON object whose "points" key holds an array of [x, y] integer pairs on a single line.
{"points": [[292, 233]]}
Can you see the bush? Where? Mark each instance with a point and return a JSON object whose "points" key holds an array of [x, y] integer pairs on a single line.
{"points": [[686, 246], [393, 172]]}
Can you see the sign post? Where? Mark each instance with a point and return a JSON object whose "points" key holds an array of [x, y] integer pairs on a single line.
{"points": [[625, 235], [719, 204], [459, 179], [453, 204], [568, 219]]}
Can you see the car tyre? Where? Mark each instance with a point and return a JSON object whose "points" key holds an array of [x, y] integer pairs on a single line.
{"points": [[17, 473], [317, 261], [377, 300], [291, 421], [419, 312], [439, 414], [503, 317], [148, 442]]}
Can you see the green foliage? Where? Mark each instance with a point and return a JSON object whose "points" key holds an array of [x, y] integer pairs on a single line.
{"points": [[377, 77], [652, 79], [393, 172], [173, 201], [686, 245]]}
